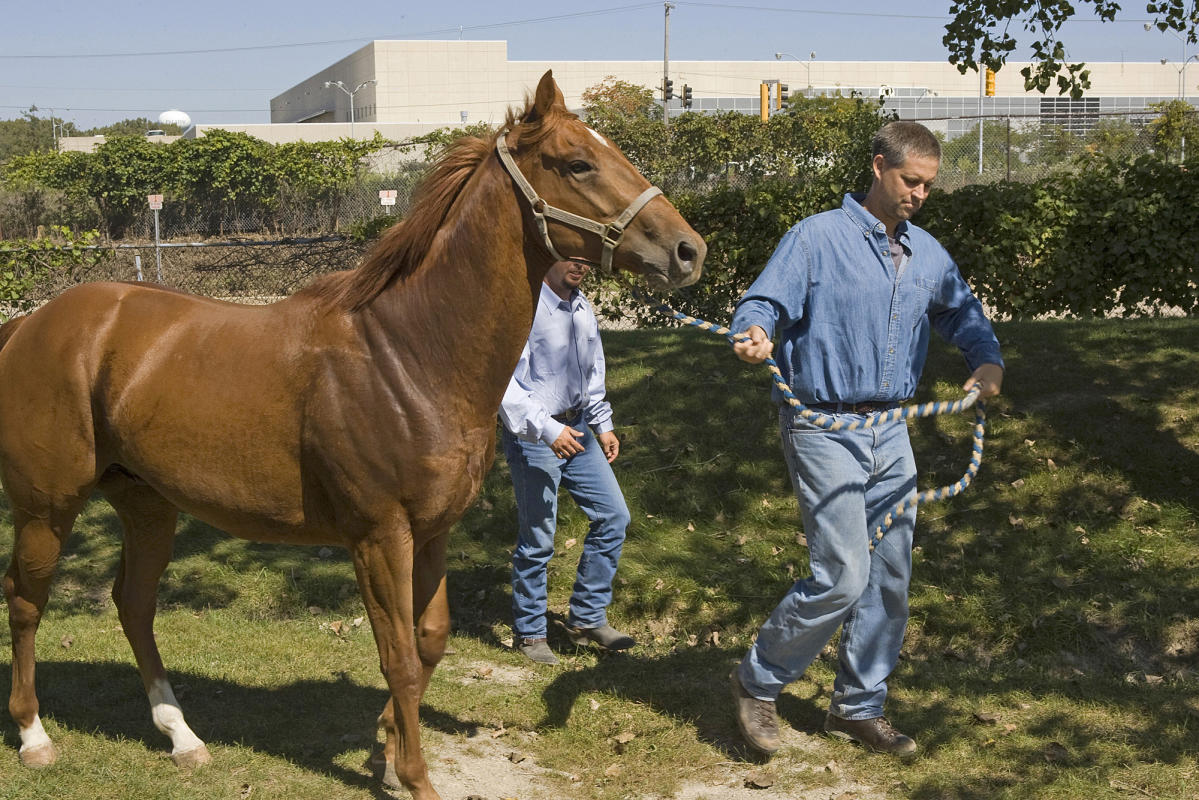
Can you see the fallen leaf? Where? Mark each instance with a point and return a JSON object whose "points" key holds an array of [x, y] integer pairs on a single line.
{"points": [[1009, 727], [336, 626], [690, 527], [1016, 484], [498, 732], [832, 767], [1014, 521], [740, 540], [594, 704], [67, 641], [658, 584], [1030, 442], [775, 550], [356, 622], [626, 737], [1050, 464], [759, 779], [765, 502], [481, 673], [516, 757], [246, 791], [986, 717], [569, 543], [1055, 752], [613, 771]]}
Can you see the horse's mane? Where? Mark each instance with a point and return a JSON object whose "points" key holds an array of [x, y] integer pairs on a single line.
{"points": [[402, 248]]}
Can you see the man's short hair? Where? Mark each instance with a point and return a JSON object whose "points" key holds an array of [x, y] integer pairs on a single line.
{"points": [[898, 141]]}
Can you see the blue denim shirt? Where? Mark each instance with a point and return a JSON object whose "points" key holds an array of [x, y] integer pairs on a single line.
{"points": [[852, 326]]}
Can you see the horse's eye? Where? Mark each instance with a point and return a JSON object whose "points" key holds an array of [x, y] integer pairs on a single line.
{"points": [[579, 167]]}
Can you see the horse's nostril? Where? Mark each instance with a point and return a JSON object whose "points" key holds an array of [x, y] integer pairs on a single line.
{"points": [[686, 251]]}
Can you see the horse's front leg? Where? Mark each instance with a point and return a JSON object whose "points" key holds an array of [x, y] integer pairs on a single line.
{"points": [[383, 562]]}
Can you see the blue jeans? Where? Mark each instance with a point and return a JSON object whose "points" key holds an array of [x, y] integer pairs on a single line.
{"points": [[846, 483], [588, 477]]}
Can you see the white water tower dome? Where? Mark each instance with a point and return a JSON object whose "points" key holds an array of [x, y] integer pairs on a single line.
{"points": [[175, 117]]}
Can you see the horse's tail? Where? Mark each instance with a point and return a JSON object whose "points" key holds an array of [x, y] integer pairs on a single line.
{"points": [[7, 329]]}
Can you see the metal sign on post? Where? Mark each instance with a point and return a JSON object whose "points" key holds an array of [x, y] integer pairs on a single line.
{"points": [[387, 198], [155, 201]]}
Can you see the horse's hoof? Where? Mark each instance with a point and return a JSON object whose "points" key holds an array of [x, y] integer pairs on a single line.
{"points": [[195, 757], [376, 762], [40, 756]]}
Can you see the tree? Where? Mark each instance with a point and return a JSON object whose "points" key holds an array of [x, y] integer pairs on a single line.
{"points": [[979, 34], [1176, 129], [31, 133], [133, 127]]}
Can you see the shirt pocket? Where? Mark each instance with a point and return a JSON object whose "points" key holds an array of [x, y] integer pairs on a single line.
{"points": [[921, 291]]}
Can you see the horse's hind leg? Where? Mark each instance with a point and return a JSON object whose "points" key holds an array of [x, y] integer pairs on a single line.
{"points": [[37, 545], [149, 524]]}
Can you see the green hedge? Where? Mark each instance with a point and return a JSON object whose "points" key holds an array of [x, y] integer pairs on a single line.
{"points": [[1112, 235]]}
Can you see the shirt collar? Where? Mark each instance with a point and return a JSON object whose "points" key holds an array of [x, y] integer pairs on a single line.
{"points": [[553, 302], [868, 223]]}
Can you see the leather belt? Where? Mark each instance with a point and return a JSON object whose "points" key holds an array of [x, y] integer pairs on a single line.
{"points": [[569, 415], [868, 407]]}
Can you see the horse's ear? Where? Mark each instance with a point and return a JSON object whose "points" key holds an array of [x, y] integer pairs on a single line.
{"points": [[548, 95]]}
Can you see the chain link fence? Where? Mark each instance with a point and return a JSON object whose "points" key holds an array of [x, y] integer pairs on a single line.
{"points": [[258, 254]]}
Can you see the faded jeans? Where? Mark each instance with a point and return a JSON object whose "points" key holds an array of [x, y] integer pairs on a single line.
{"points": [[588, 477], [846, 483]]}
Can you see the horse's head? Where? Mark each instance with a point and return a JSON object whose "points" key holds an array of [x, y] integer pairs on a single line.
{"points": [[589, 202]]}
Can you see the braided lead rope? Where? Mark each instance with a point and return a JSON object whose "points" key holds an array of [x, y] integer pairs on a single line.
{"points": [[869, 421]]}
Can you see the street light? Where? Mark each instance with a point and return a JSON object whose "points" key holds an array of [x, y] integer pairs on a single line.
{"points": [[351, 93], [1182, 71], [806, 64]]}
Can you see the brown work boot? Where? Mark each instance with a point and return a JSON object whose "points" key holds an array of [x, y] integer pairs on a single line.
{"points": [[756, 718], [874, 734]]}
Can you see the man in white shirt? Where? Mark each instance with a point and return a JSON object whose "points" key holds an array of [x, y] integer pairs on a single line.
{"points": [[557, 430]]}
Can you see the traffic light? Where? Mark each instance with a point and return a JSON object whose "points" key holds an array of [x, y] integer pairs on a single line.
{"points": [[783, 96], [667, 88], [686, 96], [990, 82]]}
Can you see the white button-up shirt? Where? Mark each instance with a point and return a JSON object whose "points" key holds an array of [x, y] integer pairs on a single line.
{"points": [[561, 369]]}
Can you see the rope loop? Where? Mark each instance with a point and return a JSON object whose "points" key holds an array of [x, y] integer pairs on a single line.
{"points": [[867, 421]]}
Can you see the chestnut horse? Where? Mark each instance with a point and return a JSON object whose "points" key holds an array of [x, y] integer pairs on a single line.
{"points": [[360, 412]]}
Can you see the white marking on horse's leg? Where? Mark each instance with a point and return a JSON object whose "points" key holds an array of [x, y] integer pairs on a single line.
{"points": [[168, 718], [34, 736], [598, 137]]}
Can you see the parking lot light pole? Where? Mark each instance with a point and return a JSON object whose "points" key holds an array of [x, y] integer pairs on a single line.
{"points": [[351, 93]]}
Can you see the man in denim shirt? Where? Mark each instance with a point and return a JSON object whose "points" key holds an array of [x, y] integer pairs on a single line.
{"points": [[550, 408], [852, 293]]}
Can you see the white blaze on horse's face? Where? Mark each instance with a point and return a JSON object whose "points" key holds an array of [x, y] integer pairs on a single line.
{"points": [[597, 136]]}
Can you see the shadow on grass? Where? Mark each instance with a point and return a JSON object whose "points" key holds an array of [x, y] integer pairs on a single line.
{"points": [[309, 723]]}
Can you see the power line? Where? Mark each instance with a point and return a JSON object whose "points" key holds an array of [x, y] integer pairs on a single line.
{"points": [[443, 31]]}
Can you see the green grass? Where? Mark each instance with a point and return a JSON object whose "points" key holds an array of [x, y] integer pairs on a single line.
{"points": [[1056, 599]]}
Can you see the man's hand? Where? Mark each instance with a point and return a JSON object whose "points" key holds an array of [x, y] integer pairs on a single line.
{"points": [[567, 443], [610, 445], [757, 349], [989, 378]]}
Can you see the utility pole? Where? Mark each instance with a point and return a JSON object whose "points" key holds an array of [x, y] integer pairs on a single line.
{"points": [[982, 89], [666, 68]]}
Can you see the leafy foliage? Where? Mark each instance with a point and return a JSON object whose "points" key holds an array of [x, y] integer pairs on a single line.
{"points": [[979, 34], [25, 263], [219, 173], [1113, 235], [738, 180]]}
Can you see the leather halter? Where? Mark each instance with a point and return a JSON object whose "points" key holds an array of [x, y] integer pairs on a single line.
{"points": [[610, 232]]}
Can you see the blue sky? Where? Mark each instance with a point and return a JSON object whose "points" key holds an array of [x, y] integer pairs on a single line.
{"points": [[221, 61]]}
